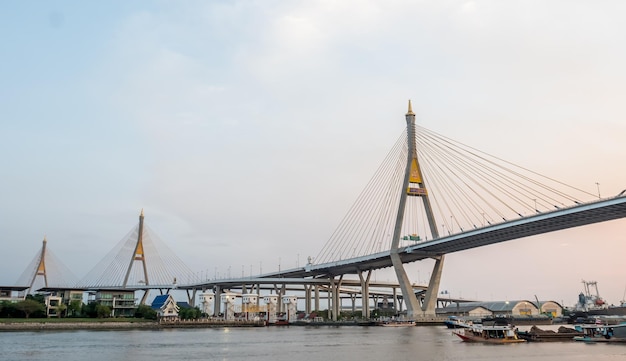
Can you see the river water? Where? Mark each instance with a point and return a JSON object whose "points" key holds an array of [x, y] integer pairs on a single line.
{"points": [[294, 343]]}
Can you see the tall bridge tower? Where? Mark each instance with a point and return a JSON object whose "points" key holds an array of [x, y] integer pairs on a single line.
{"points": [[414, 186], [41, 267], [138, 255]]}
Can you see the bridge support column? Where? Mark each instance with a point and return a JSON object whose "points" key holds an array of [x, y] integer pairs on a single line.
{"points": [[337, 299], [430, 299], [408, 294], [317, 298], [395, 300], [191, 298], [217, 303], [307, 299], [353, 299], [365, 294], [330, 292], [145, 297]]}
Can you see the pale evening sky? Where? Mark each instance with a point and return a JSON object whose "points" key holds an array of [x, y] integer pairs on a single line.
{"points": [[246, 129]]}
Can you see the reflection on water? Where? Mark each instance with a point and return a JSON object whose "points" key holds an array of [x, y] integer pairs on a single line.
{"points": [[293, 343]]}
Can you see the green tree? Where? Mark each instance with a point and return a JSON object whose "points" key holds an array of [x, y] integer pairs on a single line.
{"points": [[145, 312], [61, 309], [30, 306], [7, 309], [74, 308], [38, 297], [89, 310], [103, 311], [189, 313]]}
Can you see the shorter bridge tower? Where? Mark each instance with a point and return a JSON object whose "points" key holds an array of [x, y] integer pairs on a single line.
{"points": [[45, 270]]}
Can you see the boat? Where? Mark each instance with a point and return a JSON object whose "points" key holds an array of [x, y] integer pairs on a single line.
{"points": [[602, 333], [590, 303], [495, 332], [397, 323], [536, 334], [457, 322]]}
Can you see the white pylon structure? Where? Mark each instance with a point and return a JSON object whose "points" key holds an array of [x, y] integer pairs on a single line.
{"points": [[250, 305], [207, 302], [414, 186], [228, 300], [290, 303], [272, 305]]}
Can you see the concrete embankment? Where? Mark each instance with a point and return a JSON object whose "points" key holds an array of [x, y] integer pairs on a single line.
{"points": [[45, 326], [42, 326]]}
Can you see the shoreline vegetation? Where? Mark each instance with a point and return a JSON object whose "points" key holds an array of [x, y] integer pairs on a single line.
{"points": [[44, 324]]}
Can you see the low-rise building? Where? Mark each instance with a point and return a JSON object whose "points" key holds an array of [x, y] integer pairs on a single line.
{"points": [[120, 301], [13, 293], [165, 307]]}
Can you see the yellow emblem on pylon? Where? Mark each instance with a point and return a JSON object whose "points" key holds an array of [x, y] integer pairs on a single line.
{"points": [[414, 176], [41, 270], [139, 253]]}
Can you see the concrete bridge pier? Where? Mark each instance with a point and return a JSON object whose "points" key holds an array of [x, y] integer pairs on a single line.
{"points": [[217, 304], [191, 298], [395, 299], [329, 299], [337, 298], [353, 300], [365, 294], [317, 297], [430, 299], [307, 299]]}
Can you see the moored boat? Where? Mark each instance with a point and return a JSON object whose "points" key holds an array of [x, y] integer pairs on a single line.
{"points": [[457, 322], [536, 334], [602, 333], [496, 333], [398, 323]]}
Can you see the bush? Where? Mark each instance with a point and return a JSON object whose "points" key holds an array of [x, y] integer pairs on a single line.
{"points": [[146, 312]]}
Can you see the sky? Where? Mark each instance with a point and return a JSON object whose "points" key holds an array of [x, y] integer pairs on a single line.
{"points": [[245, 130]]}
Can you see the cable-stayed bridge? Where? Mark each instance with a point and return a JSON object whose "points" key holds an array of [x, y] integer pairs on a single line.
{"points": [[431, 196]]}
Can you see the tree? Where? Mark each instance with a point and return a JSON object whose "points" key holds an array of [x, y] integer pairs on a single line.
{"points": [[90, 309], [103, 311], [30, 306], [189, 313], [145, 312], [61, 308], [74, 307], [7, 309]]}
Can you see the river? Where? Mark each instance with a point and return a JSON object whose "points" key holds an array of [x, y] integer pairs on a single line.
{"points": [[294, 343]]}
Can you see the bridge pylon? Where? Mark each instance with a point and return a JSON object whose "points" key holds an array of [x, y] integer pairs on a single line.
{"points": [[41, 267], [414, 186], [139, 255]]}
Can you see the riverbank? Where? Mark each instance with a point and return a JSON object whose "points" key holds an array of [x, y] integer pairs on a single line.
{"points": [[42, 325], [114, 324]]}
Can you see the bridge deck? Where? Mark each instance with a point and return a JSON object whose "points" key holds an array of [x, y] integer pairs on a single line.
{"points": [[575, 216]]}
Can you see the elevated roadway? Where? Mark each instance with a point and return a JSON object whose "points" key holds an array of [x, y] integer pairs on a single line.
{"points": [[540, 223]]}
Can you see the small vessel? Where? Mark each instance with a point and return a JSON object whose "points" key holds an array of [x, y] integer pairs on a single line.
{"points": [[397, 323], [536, 334], [457, 322], [497, 332], [602, 333]]}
